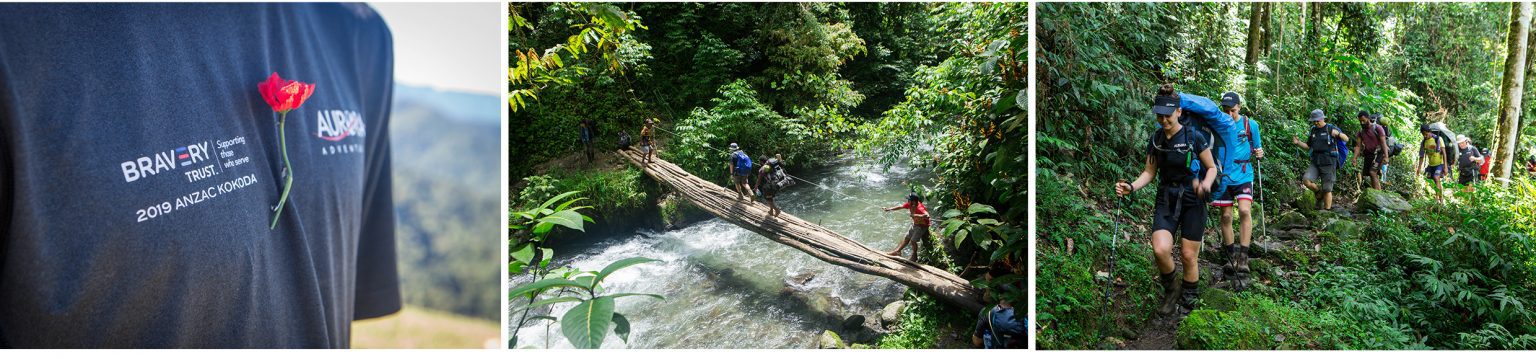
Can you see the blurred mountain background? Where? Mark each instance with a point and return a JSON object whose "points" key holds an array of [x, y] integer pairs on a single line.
{"points": [[446, 147]]}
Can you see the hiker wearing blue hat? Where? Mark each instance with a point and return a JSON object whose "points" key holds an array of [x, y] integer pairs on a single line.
{"points": [[739, 166], [1172, 151], [1324, 164], [1236, 190]]}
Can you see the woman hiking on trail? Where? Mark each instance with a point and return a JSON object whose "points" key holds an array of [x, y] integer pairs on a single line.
{"points": [[1171, 152]]}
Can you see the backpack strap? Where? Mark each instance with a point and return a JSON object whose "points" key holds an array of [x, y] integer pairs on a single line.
{"points": [[987, 314], [1248, 130]]}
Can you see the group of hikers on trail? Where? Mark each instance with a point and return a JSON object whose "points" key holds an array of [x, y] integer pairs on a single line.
{"points": [[1204, 153]]}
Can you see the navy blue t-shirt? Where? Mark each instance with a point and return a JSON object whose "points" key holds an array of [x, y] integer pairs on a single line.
{"points": [[1176, 157], [139, 168]]}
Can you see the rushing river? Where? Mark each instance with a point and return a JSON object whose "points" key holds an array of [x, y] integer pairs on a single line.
{"points": [[727, 287]]}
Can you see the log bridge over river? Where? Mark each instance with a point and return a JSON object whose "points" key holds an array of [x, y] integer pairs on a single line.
{"points": [[813, 239]]}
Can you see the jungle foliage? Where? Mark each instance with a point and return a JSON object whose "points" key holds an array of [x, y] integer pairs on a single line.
{"points": [[939, 85], [1440, 277]]}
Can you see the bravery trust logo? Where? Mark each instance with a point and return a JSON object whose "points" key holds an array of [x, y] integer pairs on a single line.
{"points": [[183, 156], [337, 125]]}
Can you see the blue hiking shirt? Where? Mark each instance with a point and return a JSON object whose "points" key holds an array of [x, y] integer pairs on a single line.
{"points": [[1235, 153]]}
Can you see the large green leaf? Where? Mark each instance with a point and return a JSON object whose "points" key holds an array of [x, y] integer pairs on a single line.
{"points": [[621, 264], [523, 253], [616, 296], [980, 208], [587, 324], [951, 225], [621, 327], [952, 213], [567, 218], [541, 285], [548, 301], [556, 198]]}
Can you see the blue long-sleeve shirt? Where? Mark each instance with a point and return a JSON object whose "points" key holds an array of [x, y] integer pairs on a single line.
{"points": [[1234, 152]]}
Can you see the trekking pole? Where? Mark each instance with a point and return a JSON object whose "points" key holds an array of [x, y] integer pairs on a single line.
{"points": [[1114, 249], [1259, 167]]}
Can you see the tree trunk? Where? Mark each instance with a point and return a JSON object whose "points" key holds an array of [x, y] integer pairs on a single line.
{"points": [[1314, 21], [1266, 38], [1512, 90], [1255, 33]]}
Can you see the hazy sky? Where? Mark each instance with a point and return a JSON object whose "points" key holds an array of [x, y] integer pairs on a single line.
{"points": [[455, 46]]}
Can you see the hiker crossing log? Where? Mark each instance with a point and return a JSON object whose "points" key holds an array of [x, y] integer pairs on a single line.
{"points": [[818, 241]]}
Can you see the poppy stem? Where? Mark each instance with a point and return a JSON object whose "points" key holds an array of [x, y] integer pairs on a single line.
{"points": [[282, 139]]}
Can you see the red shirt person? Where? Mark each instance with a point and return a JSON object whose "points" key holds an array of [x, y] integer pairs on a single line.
{"points": [[920, 222]]}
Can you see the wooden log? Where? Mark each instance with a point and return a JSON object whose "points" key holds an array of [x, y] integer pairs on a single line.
{"points": [[818, 241]]}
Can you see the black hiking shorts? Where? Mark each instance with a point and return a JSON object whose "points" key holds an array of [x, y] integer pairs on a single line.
{"points": [[1180, 212], [1371, 160]]}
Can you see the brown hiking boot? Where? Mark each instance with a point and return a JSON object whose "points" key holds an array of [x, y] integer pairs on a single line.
{"points": [[1191, 295], [1170, 293], [1228, 251], [1241, 267]]}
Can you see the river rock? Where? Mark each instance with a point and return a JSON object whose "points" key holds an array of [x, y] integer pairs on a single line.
{"points": [[1257, 267], [853, 322], [1307, 201], [1374, 200], [1345, 229], [890, 316], [1321, 219], [802, 278], [830, 340], [1291, 219], [1112, 343], [1216, 299]]}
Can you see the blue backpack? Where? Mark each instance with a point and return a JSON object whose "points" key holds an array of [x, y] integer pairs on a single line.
{"points": [[742, 162], [1343, 149]]}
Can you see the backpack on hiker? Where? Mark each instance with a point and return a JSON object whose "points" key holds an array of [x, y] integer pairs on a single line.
{"points": [[776, 179], [1447, 140], [991, 338], [1394, 148], [742, 163], [1321, 140], [1343, 149]]}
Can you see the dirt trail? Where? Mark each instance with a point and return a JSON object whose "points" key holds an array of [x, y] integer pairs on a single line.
{"points": [[1160, 332]]}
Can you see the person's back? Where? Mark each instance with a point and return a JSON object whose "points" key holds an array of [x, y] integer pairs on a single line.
{"points": [[140, 168], [1001, 328]]}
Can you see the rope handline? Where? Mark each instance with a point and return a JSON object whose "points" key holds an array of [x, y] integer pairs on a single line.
{"points": [[813, 183]]}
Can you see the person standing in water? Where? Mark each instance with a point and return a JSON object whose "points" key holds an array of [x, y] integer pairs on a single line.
{"points": [[1171, 154]]}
